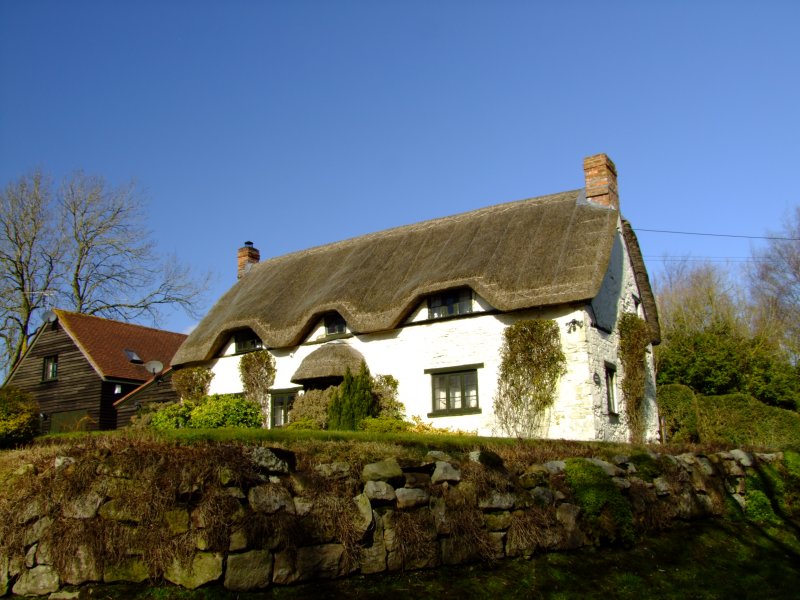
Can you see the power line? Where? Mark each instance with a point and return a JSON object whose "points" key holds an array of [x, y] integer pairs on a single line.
{"points": [[726, 235]]}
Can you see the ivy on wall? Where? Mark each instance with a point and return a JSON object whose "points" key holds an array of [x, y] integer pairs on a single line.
{"points": [[634, 337], [192, 383], [531, 364], [257, 372]]}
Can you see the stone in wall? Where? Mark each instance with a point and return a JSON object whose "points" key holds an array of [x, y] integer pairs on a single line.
{"points": [[131, 569], [326, 561], [204, 567], [248, 571], [37, 581]]}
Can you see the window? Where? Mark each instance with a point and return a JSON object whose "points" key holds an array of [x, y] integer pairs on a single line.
{"points": [[450, 303], [454, 392], [246, 341], [50, 368], [334, 324], [133, 357], [117, 389], [611, 390], [281, 405]]}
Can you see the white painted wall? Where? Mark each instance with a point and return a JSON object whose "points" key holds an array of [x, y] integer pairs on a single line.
{"points": [[405, 353]]}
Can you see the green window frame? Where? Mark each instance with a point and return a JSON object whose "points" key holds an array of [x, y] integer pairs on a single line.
{"points": [[454, 391], [335, 324], [246, 341], [450, 303], [280, 405], [50, 368]]}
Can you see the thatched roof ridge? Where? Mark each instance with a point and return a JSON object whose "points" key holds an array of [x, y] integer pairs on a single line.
{"points": [[530, 253], [642, 282], [329, 360]]}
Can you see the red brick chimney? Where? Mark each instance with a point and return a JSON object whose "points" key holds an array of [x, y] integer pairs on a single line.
{"points": [[246, 257], [601, 181]]}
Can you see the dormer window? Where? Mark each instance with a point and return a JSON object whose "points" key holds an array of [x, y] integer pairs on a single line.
{"points": [[335, 324], [450, 303], [246, 341]]}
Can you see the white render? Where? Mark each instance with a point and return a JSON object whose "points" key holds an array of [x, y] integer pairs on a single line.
{"points": [[588, 335]]}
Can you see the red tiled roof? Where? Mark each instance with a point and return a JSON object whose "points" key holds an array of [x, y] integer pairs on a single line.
{"points": [[104, 342]]}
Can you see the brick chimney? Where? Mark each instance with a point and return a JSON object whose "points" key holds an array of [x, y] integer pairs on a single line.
{"points": [[601, 181], [246, 257]]}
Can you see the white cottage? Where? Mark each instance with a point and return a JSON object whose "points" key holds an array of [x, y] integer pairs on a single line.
{"points": [[428, 304]]}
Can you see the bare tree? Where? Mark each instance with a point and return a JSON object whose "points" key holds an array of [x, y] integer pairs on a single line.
{"points": [[110, 264], [30, 255], [775, 283], [85, 248]]}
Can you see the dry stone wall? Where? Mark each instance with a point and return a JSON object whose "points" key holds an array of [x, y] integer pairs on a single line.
{"points": [[279, 524]]}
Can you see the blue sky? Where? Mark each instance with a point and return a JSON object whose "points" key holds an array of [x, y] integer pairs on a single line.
{"points": [[299, 123]]}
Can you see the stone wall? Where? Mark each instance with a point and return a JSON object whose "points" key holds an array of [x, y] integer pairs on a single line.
{"points": [[267, 518]]}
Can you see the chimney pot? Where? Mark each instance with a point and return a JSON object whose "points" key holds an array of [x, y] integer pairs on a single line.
{"points": [[601, 181], [246, 257]]}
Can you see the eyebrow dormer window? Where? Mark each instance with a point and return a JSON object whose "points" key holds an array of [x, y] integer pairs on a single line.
{"points": [[334, 324], [247, 341], [450, 303]]}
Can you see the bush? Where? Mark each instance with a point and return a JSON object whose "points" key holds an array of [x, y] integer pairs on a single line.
{"points": [[225, 410], [19, 417], [172, 416], [678, 407], [384, 424], [741, 420], [352, 401], [311, 408], [192, 384]]}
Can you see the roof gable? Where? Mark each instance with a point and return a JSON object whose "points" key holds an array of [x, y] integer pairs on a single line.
{"points": [[103, 342], [536, 252]]}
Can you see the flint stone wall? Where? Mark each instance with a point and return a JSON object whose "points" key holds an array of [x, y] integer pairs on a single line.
{"points": [[290, 526]]}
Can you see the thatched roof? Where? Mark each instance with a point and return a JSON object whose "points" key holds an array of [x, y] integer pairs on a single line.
{"points": [[329, 360], [642, 281], [537, 252]]}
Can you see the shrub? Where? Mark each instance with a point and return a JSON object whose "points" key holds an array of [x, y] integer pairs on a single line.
{"points": [[311, 408], [531, 363], [741, 420], [678, 406], [384, 387], [225, 410], [384, 424], [19, 417], [172, 416], [192, 383], [352, 401]]}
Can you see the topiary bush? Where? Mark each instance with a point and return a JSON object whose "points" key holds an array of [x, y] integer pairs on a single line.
{"points": [[19, 417], [741, 420], [310, 409]]}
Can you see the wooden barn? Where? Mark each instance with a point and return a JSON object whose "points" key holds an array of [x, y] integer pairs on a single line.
{"points": [[78, 366]]}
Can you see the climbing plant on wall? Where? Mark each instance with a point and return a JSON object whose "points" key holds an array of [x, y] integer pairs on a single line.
{"points": [[531, 364], [634, 337], [257, 372], [191, 383]]}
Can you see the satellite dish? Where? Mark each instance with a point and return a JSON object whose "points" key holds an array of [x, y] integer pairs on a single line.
{"points": [[50, 316], [154, 367]]}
